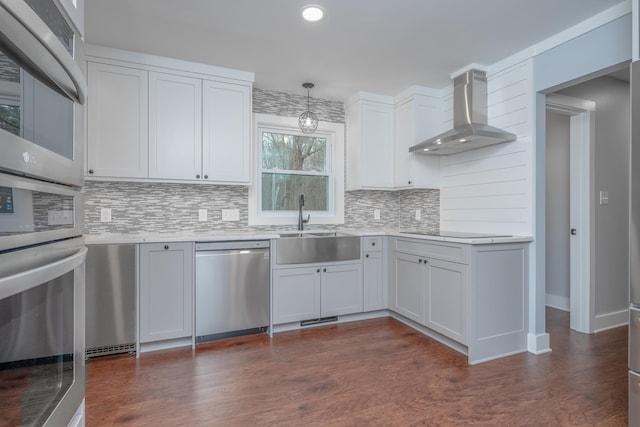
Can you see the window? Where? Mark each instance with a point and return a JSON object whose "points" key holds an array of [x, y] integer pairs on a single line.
{"points": [[290, 163]]}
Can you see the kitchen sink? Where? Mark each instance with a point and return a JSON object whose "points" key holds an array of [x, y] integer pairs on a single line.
{"points": [[304, 248], [313, 234]]}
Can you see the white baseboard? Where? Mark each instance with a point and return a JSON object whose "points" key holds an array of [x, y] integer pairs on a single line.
{"points": [[615, 319], [558, 302], [538, 344]]}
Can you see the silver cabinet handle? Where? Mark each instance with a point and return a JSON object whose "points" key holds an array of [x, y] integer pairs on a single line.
{"points": [[166, 247]]}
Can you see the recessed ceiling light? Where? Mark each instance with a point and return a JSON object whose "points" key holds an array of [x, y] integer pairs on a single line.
{"points": [[426, 149], [463, 140], [312, 13]]}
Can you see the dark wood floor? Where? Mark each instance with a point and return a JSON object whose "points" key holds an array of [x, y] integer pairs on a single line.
{"points": [[370, 373]]}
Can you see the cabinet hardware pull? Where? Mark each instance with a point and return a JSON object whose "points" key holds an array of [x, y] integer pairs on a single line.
{"points": [[198, 176], [573, 231], [409, 182], [206, 177], [166, 247], [318, 271], [91, 171], [419, 261], [324, 270], [373, 243], [366, 256]]}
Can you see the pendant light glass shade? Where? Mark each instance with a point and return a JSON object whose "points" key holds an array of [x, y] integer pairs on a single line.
{"points": [[308, 121]]}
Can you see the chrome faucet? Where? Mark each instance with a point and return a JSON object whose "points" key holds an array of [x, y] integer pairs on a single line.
{"points": [[302, 221]]}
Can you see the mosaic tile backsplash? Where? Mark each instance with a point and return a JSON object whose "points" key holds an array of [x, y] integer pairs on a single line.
{"points": [[171, 208]]}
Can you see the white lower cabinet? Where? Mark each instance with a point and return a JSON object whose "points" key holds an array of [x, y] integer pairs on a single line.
{"points": [[304, 293], [407, 297], [166, 286], [341, 290], [296, 294], [446, 298], [431, 292], [373, 281], [474, 295]]}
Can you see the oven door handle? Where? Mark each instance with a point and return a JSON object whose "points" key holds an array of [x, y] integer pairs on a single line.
{"points": [[28, 41], [25, 280]]}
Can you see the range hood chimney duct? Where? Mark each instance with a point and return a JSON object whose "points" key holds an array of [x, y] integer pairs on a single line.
{"points": [[470, 128]]}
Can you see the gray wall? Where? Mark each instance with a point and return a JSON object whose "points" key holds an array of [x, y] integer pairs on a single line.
{"points": [[611, 173], [557, 210], [169, 208]]}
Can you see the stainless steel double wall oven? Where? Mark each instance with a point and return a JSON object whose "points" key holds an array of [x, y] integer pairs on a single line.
{"points": [[42, 252]]}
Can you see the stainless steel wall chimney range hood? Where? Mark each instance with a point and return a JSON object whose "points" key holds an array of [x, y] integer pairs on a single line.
{"points": [[470, 128]]}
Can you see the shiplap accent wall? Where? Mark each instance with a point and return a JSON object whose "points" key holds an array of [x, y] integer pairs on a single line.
{"points": [[489, 190]]}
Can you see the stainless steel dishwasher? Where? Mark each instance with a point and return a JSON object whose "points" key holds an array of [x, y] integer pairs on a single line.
{"points": [[232, 289]]}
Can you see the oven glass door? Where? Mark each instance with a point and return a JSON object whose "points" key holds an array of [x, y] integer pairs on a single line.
{"points": [[33, 212], [41, 331]]}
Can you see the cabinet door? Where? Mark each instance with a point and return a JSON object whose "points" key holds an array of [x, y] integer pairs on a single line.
{"points": [[166, 283], [175, 127], [117, 118], [341, 290], [226, 132], [373, 281], [377, 145], [404, 138], [408, 295], [446, 299], [296, 294]]}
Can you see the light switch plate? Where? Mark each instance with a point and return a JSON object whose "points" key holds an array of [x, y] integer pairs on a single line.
{"points": [[202, 215], [418, 214], [231, 214], [604, 197], [105, 214], [376, 214]]}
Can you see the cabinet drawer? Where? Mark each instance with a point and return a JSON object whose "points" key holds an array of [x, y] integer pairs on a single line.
{"points": [[372, 244], [440, 250]]}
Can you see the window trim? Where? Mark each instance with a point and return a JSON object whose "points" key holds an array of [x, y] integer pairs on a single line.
{"points": [[334, 133]]}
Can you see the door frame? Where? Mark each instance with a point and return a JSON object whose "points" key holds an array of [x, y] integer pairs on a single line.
{"points": [[581, 184]]}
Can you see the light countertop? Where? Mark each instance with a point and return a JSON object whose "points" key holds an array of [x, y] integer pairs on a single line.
{"points": [[213, 236]]}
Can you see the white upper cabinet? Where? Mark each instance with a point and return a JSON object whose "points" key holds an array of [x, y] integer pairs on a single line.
{"points": [[117, 121], [226, 132], [370, 124], [165, 120], [175, 127], [417, 117], [380, 130]]}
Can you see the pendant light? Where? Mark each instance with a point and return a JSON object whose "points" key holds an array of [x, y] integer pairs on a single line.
{"points": [[308, 121]]}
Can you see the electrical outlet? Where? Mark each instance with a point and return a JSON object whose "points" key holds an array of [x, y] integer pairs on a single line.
{"points": [[105, 214], [60, 217], [418, 214], [231, 214], [202, 215], [376, 214]]}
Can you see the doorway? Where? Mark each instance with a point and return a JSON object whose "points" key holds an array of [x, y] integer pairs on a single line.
{"points": [[569, 164]]}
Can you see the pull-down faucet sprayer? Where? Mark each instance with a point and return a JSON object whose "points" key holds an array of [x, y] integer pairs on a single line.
{"points": [[302, 221]]}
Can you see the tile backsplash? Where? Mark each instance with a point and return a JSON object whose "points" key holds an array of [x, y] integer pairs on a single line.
{"points": [[170, 208]]}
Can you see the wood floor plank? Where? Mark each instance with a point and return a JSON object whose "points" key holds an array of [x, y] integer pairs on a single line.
{"points": [[375, 373]]}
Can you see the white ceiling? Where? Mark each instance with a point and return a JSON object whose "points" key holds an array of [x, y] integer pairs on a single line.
{"points": [[380, 46]]}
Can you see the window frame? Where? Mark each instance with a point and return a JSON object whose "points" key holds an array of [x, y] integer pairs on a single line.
{"points": [[334, 135]]}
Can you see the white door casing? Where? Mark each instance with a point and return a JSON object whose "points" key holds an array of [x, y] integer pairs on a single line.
{"points": [[582, 121]]}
